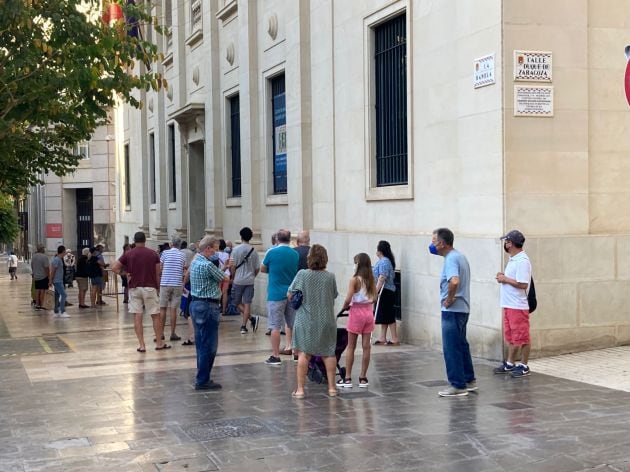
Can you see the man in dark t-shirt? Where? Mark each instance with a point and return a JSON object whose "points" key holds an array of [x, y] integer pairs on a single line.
{"points": [[142, 266], [303, 246]]}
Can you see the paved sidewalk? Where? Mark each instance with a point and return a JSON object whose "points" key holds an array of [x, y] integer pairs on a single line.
{"points": [[76, 396]]}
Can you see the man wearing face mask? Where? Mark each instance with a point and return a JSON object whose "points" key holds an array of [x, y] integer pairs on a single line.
{"points": [[455, 301], [514, 283]]}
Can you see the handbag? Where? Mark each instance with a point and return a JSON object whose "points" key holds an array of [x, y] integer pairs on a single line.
{"points": [[297, 297]]}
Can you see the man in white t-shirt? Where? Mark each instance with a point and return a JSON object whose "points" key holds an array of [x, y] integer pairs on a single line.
{"points": [[13, 263], [514, 284], [171, 282]]}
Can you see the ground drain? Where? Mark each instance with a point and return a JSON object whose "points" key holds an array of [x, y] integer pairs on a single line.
{"points": [[228, 428]]}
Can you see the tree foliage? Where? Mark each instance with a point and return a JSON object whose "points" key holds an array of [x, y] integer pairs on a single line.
{"points": [[8, 220], [61, 69]]}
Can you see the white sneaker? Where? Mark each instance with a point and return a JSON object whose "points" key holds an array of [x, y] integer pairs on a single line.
{"points": [[64, 315], [56, 315]]}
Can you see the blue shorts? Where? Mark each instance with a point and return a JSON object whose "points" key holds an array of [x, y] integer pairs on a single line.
{"points": [[96, 281]]}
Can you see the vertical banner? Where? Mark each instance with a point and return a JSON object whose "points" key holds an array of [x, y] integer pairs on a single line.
{"points": [[280, 134]]}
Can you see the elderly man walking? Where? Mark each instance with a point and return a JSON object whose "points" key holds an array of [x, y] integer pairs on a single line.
{"points": [[205, 310], [455, 301]]}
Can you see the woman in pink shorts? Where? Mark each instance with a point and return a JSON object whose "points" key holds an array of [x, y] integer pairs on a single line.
{"points": [[360, 299]]}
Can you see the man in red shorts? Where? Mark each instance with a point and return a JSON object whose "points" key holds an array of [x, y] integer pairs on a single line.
{"points": [[514, 284]]}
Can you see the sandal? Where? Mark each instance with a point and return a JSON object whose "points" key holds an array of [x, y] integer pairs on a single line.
{"points": [[188, 342], [379, 342], [141, 350], [345, 383], [363, 382], [392, 343], [166, 346], [332, 393], [298, 396]]}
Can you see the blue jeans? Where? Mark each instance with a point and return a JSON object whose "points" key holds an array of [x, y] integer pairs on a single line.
{"points": [[60, 297], [459, 366], [205, 316]]}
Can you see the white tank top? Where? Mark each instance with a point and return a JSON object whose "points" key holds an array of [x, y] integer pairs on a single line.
{"points": [[361, 296]]}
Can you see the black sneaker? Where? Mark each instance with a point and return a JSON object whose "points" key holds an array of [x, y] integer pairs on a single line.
{"points": [[273, 361], [253, 320], [209, 386], [243, 329], [504, 368], [520, 371]]}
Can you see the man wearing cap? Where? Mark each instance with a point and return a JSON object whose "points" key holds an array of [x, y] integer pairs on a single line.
{"points": [[514, 284], [173, 262]]}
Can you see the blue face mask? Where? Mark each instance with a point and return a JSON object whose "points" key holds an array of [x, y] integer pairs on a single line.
{"points": [[433, 249]]}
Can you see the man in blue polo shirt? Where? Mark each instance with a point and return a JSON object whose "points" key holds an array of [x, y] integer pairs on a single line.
{"points": [[281, 263]]}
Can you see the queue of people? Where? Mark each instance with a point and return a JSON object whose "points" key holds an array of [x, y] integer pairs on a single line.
{"points": [[301, 294]]}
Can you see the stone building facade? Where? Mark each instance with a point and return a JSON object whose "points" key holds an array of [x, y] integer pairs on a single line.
{"points": [[360, 120]]}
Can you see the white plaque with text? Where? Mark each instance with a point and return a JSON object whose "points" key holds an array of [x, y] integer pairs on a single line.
{"points": [[535, 100], [533, 66], [484, 71]]}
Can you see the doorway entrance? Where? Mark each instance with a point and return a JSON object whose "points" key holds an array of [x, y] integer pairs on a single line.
{"points": [[85, 227], [196, 191]]}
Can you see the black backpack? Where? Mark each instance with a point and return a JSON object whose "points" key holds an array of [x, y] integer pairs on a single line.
{"points": [[531, 297]]}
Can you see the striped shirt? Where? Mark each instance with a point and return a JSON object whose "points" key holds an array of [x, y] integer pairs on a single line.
{"points": [[173, 261], [205, 278]]}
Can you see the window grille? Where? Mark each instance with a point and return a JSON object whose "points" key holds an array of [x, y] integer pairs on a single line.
{"points": [[235, 144], [390, 79]]}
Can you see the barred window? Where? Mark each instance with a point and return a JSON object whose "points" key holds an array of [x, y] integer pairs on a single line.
{"points": [[391, 102], [235, 145]]}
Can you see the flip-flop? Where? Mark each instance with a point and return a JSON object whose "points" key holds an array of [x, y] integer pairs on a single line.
{"points": [[380, 342], [166, 346], [332, 393], [392, 343], [297, 396], [141, 350]]}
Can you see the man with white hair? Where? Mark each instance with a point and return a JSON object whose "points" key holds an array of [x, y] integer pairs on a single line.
{"points": [[205, 309]]}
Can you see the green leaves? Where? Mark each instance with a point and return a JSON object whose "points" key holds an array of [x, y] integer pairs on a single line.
{"points": [[8, 220], [59, 75]]}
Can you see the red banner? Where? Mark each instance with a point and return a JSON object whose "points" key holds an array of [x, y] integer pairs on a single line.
{"points": [[54, 230]]}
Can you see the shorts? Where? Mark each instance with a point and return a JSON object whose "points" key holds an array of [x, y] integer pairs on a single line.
{"points": [[242, 294], [516, 326], [12, 270], [361, 318], [82, 282], [42, 284], [279, 313], [146, 297], [170, 297], [97, 281]]}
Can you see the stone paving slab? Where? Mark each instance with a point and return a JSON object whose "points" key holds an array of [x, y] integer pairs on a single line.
{"points": [[103, 407]]}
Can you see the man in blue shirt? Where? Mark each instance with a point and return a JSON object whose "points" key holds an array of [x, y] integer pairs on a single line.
{"points": [[281, 263], [455, 301], [205, 311]]}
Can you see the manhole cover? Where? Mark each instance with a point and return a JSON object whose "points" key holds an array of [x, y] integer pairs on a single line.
{"points": [[433, 383], [228, 428], [512, 405], [31, 346]]}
